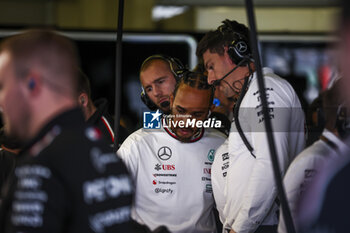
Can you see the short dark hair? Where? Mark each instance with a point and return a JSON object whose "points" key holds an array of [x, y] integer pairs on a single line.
{"points": [[222, 36], [200, 67], [52, 51], [198, 81]]}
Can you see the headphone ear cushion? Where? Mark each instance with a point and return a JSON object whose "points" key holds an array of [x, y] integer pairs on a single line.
{"points": [[175, 61], [232, 54], [177, 68], [239, 50], [179, 74], [147, 101]]}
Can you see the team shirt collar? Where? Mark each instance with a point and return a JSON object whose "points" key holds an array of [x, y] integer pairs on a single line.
{"points": [[196, 137]]}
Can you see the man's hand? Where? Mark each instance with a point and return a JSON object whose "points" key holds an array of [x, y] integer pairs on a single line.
{"points": [[232, 231]]}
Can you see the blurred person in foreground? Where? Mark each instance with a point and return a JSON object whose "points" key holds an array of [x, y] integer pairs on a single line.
{"points": [[325, 205], [66, 179], [314, 159]]}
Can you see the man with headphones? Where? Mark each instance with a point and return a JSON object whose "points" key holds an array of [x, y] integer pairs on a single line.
{"points": [[242, 175], [158, 76], [171, 166]]}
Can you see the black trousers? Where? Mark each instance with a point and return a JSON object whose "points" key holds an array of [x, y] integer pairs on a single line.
{"points": [[267, 229]]}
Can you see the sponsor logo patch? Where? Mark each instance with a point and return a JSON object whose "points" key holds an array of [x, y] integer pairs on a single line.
{"points": [[158, 174], [207, 170], [211, 155], [164, 153], [208, 188], [164, 167], [161, 190]]}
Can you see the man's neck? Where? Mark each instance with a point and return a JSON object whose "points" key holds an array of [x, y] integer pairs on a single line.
{"points": [[91, 110], [46, 112]]}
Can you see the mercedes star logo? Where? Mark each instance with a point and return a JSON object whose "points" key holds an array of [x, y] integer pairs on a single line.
{"points": [[241, 47], [164, 153]]}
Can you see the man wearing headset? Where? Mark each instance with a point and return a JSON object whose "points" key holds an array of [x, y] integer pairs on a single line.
{"points": [[242, 175], [158, 76], [171, 166]]}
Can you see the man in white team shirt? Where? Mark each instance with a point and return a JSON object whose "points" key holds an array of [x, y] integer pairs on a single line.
{"points": [[171, 166], [316, 158], [242, 175]]}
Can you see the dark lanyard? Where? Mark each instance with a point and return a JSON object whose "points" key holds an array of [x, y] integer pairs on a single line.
{"points": [[236, 112]]}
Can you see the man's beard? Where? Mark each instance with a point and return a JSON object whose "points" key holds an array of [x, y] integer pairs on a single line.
{"points": [[188, 138], [165, 105]]}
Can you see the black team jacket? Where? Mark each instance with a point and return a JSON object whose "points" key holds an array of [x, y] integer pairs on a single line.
{"points": [[68, 180], [105, 122]]}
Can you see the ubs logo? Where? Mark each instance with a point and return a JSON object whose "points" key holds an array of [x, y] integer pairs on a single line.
{"points": [[168, 167], [164, 153], [165, 167]]}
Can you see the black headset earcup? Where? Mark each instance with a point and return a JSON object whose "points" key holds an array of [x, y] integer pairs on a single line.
{"points": [[148, 102], [239, 50], [177, 68], [179, 74]]}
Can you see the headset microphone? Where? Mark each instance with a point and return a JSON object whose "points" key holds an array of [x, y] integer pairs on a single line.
{"points": [[217, 82], [165, 104]]}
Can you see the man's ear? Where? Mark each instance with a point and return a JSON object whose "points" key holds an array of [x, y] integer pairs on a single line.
{"points": [[33, 83], [83, 100]]}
